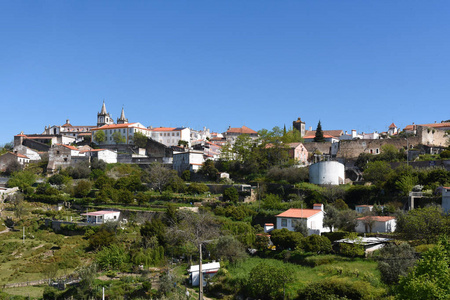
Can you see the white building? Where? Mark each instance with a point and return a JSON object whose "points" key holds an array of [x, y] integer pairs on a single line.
{"points": [[102, 216], [208, 270], [313, 218], [376, 224], [106, 155], [191, 160], [126, 130], [327, 172], [446, 199], [171, 136]]}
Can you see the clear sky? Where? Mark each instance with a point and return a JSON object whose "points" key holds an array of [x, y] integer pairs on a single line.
{"points": [[351, 64]]}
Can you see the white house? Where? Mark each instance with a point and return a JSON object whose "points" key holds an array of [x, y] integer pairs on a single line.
{"points": [[208, 270], [170, 136], [102, 216], [446, 199], [376, 224], [191, 160], [313, 218], [126, 130], [106, 155], [370, 244]]}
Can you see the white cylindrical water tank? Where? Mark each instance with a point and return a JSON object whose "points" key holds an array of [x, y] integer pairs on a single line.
{"points": [[327, 172]]}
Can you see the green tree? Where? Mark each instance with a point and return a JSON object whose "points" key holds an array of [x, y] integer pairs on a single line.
{"points": [[231, 194], [22, 180], [197, 188], [406, 184], [160, 176], [285, 239], [318, 138], [347, 220], [208, 169], [118, 138], [99, 136], [395, 261], [430, 278], [154, 228], [140, 140], [377, 172], [229, 248], [423, 223], [317, 244], [186, 175], [331, 218], [268, 282], [82, 188]]}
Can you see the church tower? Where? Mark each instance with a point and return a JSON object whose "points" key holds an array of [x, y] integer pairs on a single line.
{"points": [[103, 117], [122, 119]]}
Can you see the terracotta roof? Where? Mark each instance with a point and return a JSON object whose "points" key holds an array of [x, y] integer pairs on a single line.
{"points": [[21, 134], [299, 213], [19, 155], [433, 125], [166, 129], [311, 136], [377, 218], [115, 126], [333, 133], [68, 146], [392, 125], [269, 224], [242, 130]]}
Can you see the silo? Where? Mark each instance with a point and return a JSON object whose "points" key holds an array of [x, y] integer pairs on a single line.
{"points": [[327, 172]]}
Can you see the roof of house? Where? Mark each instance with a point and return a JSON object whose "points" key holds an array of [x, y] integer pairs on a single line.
{"points": [[392, 125], [166, 129], [299, 213], [99, 213], [311, 136], [116, 126], [333, 133], [18, 155], [434, 125], [69, 147], [241, 130], [377, 218]]}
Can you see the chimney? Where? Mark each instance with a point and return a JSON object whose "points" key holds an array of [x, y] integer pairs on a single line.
{"points": [[310, 128], [318, 206]]}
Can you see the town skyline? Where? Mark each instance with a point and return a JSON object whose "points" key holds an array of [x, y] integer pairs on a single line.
{"points": [[356, 65]]}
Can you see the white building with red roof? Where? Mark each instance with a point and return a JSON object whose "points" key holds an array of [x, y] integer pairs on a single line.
{"points": [[393, 129], [10, 157], [376, 224], [233, 132], [171, 136], [102, 216], [126, 130], [312, 218]]}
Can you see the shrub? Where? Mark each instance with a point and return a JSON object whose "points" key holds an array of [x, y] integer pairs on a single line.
{"points": [[231, 194], [197, 188], [317, 244]]}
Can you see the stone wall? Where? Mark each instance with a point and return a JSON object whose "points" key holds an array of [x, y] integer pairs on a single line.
{"points": [[430, 136]]}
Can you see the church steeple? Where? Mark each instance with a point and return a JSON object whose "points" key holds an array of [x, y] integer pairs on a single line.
{"points": [[103, 117], [122, 119]]}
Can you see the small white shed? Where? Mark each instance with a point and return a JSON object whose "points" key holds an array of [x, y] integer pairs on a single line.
{"points": [[208, 270]]}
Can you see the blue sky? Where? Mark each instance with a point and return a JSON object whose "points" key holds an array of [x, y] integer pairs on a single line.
{"points": [[351, 64]]}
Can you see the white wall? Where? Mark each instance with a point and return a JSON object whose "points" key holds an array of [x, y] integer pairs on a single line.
{"points": [[327, 172], [378, 226], [313, 223]]}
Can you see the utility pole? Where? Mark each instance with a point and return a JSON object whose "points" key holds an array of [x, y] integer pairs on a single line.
{"points": [[200, 273], [23, 240]]}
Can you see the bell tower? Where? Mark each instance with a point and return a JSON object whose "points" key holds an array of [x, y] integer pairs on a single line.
{"points": [[103, 117], [122, 119]]}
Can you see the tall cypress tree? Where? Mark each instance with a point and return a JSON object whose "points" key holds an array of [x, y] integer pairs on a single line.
{"points": [[319, 134]]}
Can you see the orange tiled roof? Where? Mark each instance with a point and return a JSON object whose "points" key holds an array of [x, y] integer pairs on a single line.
{"points": [[19, 155], [392, 125], [311, 136], [68, 146], [166, 129], [299, 213], [242, 130], [115, 126], [377, 218], [433, 125]]}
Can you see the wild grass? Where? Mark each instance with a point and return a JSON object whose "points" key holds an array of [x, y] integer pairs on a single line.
{"points": [[34, 292]]}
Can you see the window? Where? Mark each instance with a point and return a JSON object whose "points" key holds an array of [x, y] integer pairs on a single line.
{"points": [[178, 134], [377, 151], [283, 222]]}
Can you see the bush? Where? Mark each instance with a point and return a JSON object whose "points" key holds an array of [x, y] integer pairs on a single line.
{"points": [[197, 188], [317, 244], [231, 194], [337, 288], [285, 239]]}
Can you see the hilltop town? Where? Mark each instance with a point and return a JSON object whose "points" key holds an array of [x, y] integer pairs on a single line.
{"points": [[128, 211]]}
